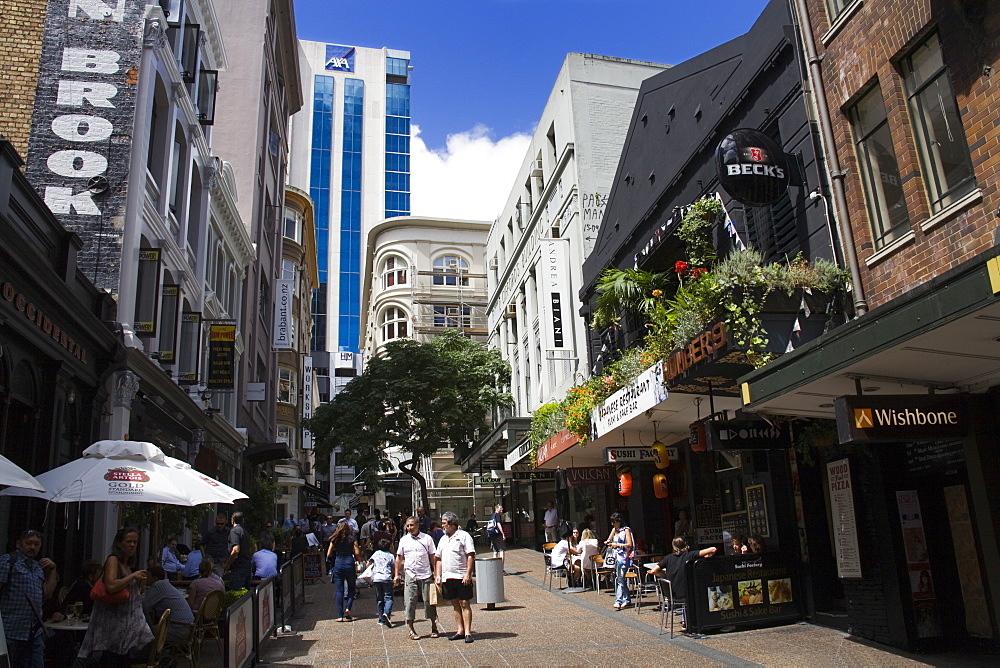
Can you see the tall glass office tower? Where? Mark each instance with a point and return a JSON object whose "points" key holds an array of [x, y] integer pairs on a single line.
{"points": [[350, 151]]}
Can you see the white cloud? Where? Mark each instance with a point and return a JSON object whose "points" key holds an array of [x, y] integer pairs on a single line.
{"points": [[470, 178]]}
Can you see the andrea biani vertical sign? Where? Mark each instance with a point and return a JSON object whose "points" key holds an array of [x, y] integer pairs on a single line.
{"points": [[555, 292], [82, 124], [902, 417], [752, 167], [221, 356]]}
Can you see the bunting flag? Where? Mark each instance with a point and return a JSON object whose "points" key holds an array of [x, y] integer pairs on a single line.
{"points": [[730, 225]]}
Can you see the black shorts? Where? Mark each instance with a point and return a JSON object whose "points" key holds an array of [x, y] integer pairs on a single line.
{"points": [[498, 543], [451, 589]]}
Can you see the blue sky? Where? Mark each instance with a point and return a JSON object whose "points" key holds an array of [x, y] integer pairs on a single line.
{"points": [[484, 68]]}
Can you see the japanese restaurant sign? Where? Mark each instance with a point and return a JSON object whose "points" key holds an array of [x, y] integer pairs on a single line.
{"points": [[902, 417], [645, 392], [845, 526]]}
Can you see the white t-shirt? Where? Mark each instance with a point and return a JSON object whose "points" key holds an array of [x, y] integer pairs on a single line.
{"points": [[453, 551], [382, 566], [559, 554], [551, 517], [416, 553]]}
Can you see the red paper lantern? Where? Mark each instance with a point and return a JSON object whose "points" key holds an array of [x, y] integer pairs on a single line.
{"points": [[660, 457], [625, 484], [698, 439], [660, 488]]}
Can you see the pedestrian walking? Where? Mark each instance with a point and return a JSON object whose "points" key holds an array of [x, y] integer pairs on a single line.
{"points": [[453, 568], [495, 534], [382, 578], [26, 582], [344, 548], [415, 560], [624, 544], [118, 629]]}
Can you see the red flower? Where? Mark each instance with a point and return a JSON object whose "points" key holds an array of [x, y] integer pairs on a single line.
{"points": [[680, 267], [699, 271]]}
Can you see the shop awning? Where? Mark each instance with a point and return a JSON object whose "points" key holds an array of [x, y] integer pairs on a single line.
{"points": [[266, 452], [941, 336], [314, 493]]}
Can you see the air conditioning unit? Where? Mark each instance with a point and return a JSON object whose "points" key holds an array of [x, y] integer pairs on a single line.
{"points": [[536, 168], [494, 264], [511, 311], [554, 232]]}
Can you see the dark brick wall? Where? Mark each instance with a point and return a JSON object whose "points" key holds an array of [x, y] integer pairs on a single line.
{"points": [[86, 135]]}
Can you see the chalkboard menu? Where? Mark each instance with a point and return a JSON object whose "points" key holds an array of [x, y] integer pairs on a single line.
{"points": [[312, 562], [935, 457], [757, 511]]}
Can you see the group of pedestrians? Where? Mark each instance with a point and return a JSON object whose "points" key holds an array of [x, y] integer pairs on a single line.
{"points": [[423, 567]]}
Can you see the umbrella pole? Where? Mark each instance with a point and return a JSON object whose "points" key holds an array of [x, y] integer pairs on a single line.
{"points": [[153, 549]]}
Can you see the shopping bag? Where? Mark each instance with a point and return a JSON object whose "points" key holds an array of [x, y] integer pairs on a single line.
{"points": [[434, 594], [365, 577]]}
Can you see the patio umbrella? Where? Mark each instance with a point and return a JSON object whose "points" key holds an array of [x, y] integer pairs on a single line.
{"points": [[13, 475], [132, 471]]}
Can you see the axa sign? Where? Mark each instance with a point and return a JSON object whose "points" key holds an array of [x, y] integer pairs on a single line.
{"points": [[901, 417], [340, 58], [751, 167]]}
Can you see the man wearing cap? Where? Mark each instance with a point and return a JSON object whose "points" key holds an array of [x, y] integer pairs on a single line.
{"points": [[25, 583]]}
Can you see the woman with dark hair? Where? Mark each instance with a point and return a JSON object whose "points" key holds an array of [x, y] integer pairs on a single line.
{"points": [[624, 543], [344, 546], [755, 544], [118, 630]]}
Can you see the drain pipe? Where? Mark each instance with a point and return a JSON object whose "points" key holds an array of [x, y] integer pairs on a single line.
{"points": [[837, 174]]}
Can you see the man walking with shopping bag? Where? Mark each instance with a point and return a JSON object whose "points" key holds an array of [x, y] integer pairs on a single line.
{"points": [[415, 558], [453, 567]]}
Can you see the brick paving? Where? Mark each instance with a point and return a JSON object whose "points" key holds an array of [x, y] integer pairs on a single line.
{"points": [[537, 627]]}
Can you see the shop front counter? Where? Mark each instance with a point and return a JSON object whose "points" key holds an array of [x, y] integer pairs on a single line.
{"points": [[744, 591]]}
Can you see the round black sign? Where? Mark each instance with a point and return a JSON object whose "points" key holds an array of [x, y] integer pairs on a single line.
{"points": [[751, 167]]}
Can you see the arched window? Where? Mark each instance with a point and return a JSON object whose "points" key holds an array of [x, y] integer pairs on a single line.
{"points": [[450, 264], [394, 324], [393, 272]]}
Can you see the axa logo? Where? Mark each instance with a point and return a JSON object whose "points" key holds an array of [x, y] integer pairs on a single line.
{"points": [[863, 418], [339, 58]]}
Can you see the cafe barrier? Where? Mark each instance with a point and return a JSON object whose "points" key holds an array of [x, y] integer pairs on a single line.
{"points": [[299, 585], [266, 619], [287, 593], [240, 646]]}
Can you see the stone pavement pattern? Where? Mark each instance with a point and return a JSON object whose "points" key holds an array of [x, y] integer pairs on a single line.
{"points": [[535, 627]]}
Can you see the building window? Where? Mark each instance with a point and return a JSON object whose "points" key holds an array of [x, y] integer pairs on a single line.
{"points": [[293, 224], [450, 264], [455, 316], [394, 324], [393, 272], [284, 434], [286, 385], [879, 169], [289, 271], [836, 7], [944, 152]]}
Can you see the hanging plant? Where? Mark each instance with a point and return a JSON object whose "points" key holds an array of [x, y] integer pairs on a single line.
{"points": [[695, 231]]}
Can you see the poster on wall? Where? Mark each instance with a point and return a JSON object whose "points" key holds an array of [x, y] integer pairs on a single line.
{"points": [[757, 511], [918, 564], [845, 526]]}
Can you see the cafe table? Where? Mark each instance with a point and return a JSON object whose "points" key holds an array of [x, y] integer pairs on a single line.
{"points": [[68, 624]]}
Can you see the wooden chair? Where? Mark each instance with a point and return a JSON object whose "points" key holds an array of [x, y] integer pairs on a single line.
{"points": [[159, 641], [206, 622]]}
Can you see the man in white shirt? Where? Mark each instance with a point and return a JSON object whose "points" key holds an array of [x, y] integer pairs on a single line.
{"points": [[415, 559], [551, 522], [456, 554], [351, 522]]}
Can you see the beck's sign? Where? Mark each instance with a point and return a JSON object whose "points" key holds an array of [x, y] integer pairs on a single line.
{"points": [[902, 417]]}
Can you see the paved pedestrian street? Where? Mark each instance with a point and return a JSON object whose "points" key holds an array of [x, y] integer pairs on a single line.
{"points": [[535, 627]]}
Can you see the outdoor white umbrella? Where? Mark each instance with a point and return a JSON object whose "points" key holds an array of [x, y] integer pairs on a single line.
{"points": [[132, 471], [13, 475]]}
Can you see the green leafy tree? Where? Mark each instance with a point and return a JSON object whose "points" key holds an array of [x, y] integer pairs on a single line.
{"points": [[415, 396]]}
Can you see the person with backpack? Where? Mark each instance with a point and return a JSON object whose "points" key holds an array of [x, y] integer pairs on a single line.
{"points": [[494, 531]]}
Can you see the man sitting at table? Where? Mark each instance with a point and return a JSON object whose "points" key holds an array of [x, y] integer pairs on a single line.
{"points": [[79, 592], [265, 561], [165, 596], [206, 584], [561, 552], [194, 559]]}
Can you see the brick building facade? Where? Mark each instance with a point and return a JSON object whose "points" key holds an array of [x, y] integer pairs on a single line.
{"points": [[21, 26]]}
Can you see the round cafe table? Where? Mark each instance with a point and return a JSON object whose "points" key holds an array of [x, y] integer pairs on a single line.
{"points": [[68, 624]]}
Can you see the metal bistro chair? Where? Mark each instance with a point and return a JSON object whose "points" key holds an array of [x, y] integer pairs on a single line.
{"points": [[552, 571], [647, 587], [600, 570], [159, 641], [633, 580], [669, 606]]}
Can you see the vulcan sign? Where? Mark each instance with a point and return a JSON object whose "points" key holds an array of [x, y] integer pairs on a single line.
{"points": [[901, 417]]}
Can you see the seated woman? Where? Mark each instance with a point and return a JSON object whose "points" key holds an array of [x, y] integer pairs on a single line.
{"points": [[589, 546], [755, 544], [204, 585], [560, 556]]}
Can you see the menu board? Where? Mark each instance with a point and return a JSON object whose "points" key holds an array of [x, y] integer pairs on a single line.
{"points": [[312, 562], [757, 511], [935, 457], [742, 591], [845, 525]]}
